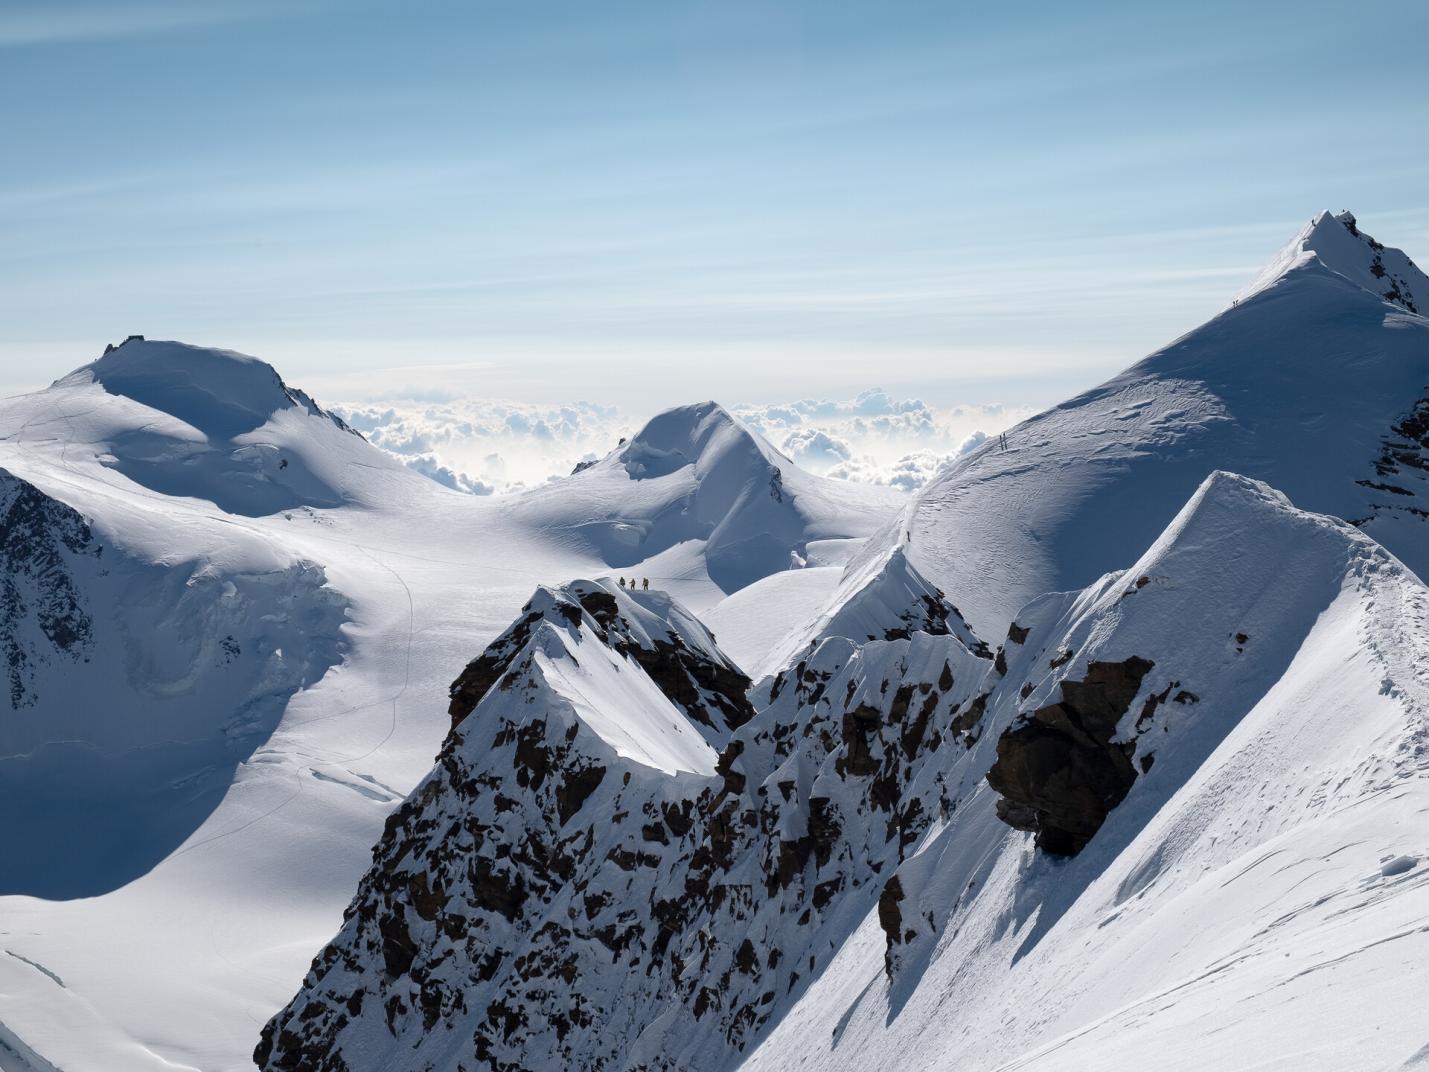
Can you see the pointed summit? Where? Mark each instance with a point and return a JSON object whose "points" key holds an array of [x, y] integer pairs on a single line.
{"points": [[698, 490], [1335, 243], [703, 435], [1314, 385]]}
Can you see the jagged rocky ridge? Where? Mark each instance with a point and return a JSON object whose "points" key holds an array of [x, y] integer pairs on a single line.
{"points": [[538, 872], [553, 896]]}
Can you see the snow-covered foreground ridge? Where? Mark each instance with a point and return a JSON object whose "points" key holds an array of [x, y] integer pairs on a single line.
{"points": [[837, 881], [1171, 814]]}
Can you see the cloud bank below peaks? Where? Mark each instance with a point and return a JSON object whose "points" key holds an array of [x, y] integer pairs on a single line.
{"points": [[485, 447]]}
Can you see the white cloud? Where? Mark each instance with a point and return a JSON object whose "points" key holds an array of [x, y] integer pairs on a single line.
{"points": [[875, 437], [487, 447]]}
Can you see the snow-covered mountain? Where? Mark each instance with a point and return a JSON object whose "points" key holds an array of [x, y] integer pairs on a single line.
{"points": [[1314, 381], [230, 625], [1094, 755], [135, 689], [698, 492]]}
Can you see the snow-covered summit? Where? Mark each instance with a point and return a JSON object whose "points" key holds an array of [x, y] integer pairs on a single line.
{"points": [[704, 435], [221, 393], [209, 424], [881, 596], [1334, 242], [697, 490], [1314, 384]]}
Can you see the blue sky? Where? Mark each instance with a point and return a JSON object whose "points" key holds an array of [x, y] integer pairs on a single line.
{"points": [[647, 203]]}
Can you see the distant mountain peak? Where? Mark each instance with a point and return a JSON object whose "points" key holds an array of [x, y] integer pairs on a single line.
{"points": [[1335, 242], [687, 435], [221, 393]]}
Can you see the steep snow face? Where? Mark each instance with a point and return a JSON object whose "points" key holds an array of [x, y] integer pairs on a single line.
{"points": [[1337, 243], [135, 689], [675, 652], [695, 490], [1313, 383], [1238, 901]]}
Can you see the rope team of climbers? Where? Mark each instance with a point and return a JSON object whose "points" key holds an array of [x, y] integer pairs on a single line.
{"points": [[644, 583]]}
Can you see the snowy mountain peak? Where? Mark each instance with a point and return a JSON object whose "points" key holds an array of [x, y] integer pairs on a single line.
{"points": [[645, 631], [881, 596], [221, 393], [1335, 242], [699, 435], [696, 491]]}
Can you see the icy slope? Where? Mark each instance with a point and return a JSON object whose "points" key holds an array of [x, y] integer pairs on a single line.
{"points": [[696, 491], [1315, 382]]}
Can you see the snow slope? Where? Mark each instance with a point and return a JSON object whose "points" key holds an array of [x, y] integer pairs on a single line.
{"points": [[1257, 899], [1231, 871], [235, 815], [1314, 382], [136, 688]]}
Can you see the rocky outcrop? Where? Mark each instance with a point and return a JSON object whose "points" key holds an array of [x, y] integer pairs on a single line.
{"points": [[43, 613], [675, 650], [1060, 770]]}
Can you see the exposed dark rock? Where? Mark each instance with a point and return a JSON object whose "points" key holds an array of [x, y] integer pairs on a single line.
{"points": [[890, 918], [1058, 771], [39, 537]]}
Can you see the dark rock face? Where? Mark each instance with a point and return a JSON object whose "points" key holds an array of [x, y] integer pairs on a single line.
{"points": [[1059, 772], [1402, 468], [42, 613]]}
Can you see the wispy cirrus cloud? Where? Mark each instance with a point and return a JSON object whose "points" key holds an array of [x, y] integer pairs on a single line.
{"points": [[60, 22]]}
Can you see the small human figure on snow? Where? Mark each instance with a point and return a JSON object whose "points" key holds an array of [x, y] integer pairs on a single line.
{"points": [[645, 584], [622, 582]]}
